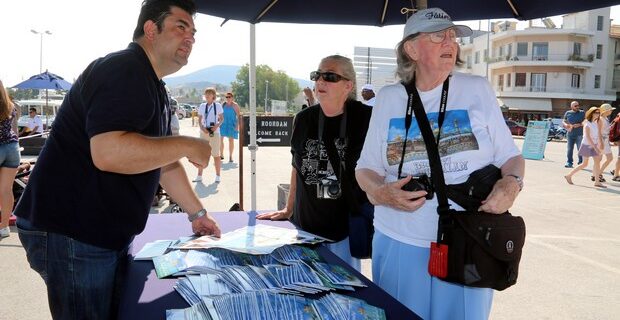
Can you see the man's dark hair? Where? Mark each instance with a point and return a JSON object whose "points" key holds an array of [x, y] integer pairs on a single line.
{"points": [[33, 110], [157, 11]]}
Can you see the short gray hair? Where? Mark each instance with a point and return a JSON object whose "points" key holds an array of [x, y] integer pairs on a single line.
{"points": [[347, 71], [405, 66]]}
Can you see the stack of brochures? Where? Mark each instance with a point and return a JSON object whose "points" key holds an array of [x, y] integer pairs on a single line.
{"points": [[268, 306], [256, 273]]}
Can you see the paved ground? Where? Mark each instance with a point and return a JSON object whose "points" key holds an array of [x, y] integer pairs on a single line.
{"points": [[570, 266]]}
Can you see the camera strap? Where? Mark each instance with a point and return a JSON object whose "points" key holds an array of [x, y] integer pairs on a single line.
{"points": [[414, 105], [342, 136], [214, 108]]}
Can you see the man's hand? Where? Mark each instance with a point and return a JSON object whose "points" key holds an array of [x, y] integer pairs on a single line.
{"points": [[206, 225], [283, 214]]}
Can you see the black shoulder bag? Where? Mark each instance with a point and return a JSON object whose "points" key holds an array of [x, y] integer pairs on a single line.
{"points": [[361, 216], [473, 248]]}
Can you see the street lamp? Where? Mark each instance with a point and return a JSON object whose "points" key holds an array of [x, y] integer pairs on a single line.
{"points": [[266, 93], [41, 47]]}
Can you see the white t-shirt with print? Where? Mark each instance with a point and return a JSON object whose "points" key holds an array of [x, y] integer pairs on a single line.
{"points": [[210, 113], [474, 135]]}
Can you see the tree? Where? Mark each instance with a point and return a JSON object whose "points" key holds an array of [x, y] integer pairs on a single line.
{"points": [[279, 82]]}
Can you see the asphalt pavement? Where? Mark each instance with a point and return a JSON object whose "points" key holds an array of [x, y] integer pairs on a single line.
{"points": [[571, 261]]}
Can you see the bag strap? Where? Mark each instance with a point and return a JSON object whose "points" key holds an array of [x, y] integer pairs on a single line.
{"points": [[414, 105]]}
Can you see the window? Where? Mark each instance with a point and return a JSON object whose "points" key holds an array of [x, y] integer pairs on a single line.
{"points": [[519, 79], [577, 49], [522, 49], [540, 51], [508, 76], [500, 82], [509, 50], [477, 57], [468, 61], [599, 23], [574, 80], [539, 82], [486, 55], [501, 51], [597, 81], [599, 51]]}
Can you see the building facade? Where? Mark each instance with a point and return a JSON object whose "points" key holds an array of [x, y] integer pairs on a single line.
{"points": [[538, 71], [376, 66]]}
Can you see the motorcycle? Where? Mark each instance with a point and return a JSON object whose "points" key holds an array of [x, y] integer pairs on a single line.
{"points": [[556, 133]]}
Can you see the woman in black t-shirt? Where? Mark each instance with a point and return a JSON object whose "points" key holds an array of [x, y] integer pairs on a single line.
{"points": [[326, 143]]}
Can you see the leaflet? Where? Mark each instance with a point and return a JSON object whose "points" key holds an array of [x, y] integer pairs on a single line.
{"points": [[259, 239]]}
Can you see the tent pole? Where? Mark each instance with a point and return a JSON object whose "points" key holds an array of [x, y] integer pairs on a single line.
{"points": [[252, 146]]}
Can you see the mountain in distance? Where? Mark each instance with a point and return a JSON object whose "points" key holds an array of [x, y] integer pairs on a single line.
{"points": [[218, 74]]}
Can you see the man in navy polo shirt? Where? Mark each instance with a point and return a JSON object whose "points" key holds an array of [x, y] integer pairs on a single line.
{"points": [[572, 122], [92, 187]]}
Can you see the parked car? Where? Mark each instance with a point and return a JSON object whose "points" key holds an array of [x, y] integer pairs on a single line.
{"points": [[515, 128], [186, 108]]}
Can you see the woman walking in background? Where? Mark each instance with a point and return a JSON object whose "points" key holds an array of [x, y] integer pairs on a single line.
{"points": [[230, 126], [604, 125], [591, 146], [9, 158]]}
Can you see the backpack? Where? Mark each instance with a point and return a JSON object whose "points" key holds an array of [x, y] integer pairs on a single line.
{"points": [[614, 130]]}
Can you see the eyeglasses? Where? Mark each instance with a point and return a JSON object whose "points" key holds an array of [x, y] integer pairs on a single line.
{"points": [[440, 36], [327, 76], [228, 97]]}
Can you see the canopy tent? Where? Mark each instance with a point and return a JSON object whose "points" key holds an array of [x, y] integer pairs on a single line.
{"points": [[387, 12], [370, 13]]}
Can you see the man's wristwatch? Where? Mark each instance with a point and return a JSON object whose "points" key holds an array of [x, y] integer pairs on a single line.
{"points": [[519, 180], [194, 216]]}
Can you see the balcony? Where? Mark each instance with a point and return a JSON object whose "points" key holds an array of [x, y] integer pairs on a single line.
{"points": [[551, 91], [566, 60]]}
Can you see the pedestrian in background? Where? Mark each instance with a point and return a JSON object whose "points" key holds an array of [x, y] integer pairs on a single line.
{"points": [[9, 158], [230, 126], [591, 146], [573, 123], [210, 117], [368, 94], [605, 110]]}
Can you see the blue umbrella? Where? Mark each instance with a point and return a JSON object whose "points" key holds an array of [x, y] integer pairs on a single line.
{"points": [[45, 80]]}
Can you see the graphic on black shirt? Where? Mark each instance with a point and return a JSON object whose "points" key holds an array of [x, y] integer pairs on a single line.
{"points": [[456, 136], [315, 165]]}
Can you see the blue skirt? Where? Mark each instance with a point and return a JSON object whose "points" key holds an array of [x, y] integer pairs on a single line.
{"points": [[402, 271]]}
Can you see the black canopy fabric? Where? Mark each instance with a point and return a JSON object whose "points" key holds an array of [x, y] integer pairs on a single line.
{"points": [[387, 12]]}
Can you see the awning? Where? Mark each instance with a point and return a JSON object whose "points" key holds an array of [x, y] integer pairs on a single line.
{"points": [[525, 104]]}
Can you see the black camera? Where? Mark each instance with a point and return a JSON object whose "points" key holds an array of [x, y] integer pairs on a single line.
{"points": [[211, 124], [328, 189], [420, 183]]}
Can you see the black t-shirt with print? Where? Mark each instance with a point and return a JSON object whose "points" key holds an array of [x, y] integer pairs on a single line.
{"points": [[327, 217]]}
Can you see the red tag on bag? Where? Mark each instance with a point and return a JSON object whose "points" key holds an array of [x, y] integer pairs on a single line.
{"points": [[438, 261]]}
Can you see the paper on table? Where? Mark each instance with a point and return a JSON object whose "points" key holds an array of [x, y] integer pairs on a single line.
{"points": [[259, 239], [153, 249]]}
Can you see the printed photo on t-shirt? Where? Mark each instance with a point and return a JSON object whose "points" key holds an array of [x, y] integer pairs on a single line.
{"points": [[456, 136]]}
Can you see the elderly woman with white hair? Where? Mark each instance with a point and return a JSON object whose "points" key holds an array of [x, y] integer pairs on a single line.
{"points": [[326, 143], [472, 136]]}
